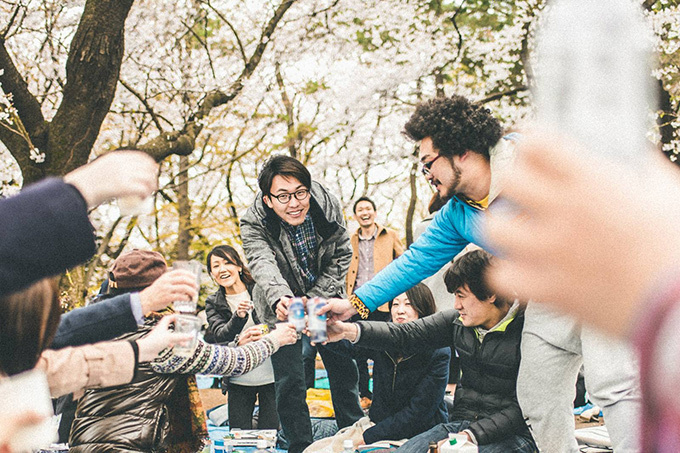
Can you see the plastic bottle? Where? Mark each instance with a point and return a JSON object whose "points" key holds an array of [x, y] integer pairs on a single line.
{"points": [[593, 78], [348, 446], [317, 323], [296, 314]]}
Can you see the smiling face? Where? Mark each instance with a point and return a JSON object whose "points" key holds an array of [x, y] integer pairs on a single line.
{"points": [[365, 214], [293, 212], [225, 273], [474, 312], [444, 174], [402, 311]]}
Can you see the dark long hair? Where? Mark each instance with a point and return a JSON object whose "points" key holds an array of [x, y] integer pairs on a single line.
{"points": [[421, 299], [29, 321], [230, 254]]}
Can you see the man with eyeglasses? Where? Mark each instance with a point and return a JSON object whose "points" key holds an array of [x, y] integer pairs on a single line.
{"points": [[465, 156], [295, 239]]}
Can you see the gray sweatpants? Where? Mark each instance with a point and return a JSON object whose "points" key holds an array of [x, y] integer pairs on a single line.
{"points": [[554, 347]]}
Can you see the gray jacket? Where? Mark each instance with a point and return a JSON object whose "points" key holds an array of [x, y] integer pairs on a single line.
{"points": [[272, 260]]}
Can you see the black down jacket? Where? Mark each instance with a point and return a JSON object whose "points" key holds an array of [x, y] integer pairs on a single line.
{"points": [[486, 394]]}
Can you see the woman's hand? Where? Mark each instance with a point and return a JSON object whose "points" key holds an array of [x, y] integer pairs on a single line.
{"points": [[252, 333], [243, 308], [161, 337], [285, 333]]}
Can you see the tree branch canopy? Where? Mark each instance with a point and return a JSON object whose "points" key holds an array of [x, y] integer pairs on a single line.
{"points": [[183, 143]]}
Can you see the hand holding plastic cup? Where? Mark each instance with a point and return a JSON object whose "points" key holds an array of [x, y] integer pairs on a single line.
{"points": [[296, 313], [28, 392], [188, 306], [133, 205], [316, 321], [189, 325]]}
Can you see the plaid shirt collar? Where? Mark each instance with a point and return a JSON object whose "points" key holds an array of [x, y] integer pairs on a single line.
{"points": [[303, 240]]}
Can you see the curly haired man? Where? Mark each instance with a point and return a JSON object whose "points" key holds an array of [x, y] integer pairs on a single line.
{"points": [[465, 156]]}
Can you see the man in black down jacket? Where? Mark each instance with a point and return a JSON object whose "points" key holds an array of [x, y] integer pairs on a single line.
{"points": [[485, 332]]}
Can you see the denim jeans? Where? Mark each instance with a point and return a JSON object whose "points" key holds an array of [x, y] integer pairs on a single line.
{"points": [[419, 443], [291, 392]]}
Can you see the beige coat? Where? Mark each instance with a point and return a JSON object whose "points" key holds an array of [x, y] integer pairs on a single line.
{"points": [[74, 369], [387, 247]]}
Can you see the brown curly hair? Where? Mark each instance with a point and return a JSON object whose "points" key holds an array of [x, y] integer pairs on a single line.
{"points": [[455, 126]]}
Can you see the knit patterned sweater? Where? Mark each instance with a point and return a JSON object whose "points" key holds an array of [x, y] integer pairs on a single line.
{"points": [[217, 359]]}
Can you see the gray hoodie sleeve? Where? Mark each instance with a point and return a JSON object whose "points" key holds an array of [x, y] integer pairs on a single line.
{"points": [[261, 259], [331, 281]]}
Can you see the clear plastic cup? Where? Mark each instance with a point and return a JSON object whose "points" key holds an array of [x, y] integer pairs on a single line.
{"points": [[316, 322], [132, 205], [25, 392], [188, 306], [191, 325]]}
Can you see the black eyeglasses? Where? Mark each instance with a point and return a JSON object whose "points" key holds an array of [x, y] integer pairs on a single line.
{"points": [[428, 165], [285, 198]]}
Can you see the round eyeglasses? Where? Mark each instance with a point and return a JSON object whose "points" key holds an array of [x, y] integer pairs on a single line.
{"points": [[285, 198], [428, 165]]}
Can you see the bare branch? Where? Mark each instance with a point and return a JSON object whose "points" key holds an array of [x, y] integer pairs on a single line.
{"points": [[144, 102], [15, 13], [204, 43], [496, 96], [226, 21], [455, 25]]}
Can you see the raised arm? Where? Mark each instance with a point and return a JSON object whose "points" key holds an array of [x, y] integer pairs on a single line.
{"points": [[225, 360], [453, 228], [223, 327], [74, 369], [45, 230], [431, 332]]}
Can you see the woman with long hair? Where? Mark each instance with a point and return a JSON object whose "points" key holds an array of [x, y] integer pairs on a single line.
{"points": [[231, 319]]}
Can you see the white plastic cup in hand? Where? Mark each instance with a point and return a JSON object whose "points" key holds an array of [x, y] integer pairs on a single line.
{"points": [[25, 392], [188, 306], [191, 326], [133, 205], [316, 321], [296, 313]]}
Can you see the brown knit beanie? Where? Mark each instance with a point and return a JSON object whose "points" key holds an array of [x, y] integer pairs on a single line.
{"points": [[136, 269]]}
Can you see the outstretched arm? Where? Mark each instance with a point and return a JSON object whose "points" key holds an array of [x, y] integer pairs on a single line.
{"points": [[225, 360]]}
